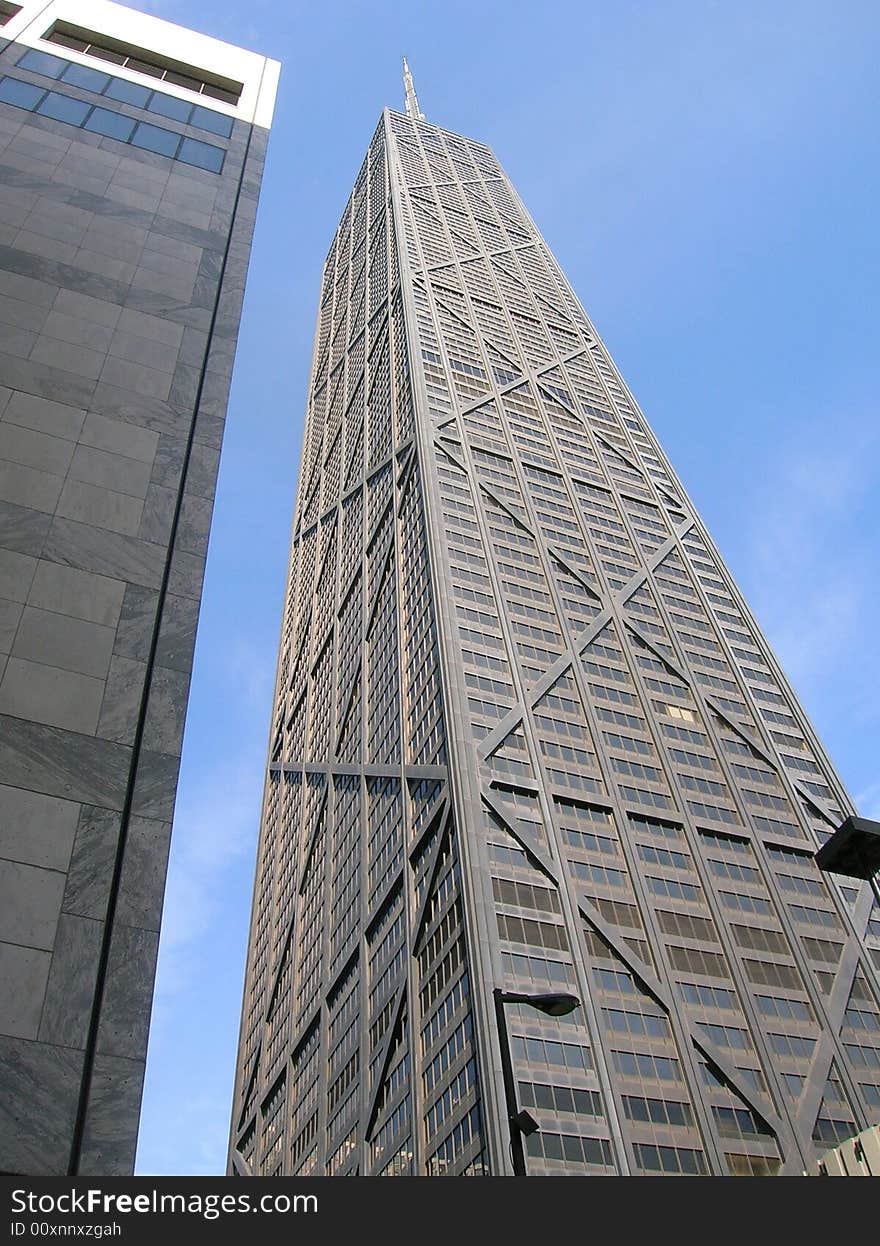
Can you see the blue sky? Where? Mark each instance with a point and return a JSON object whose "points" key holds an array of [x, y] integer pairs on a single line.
{"points": [[707, 176]]}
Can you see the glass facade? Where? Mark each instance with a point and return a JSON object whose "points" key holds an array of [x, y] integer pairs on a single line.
{"points": [[526, 733]]}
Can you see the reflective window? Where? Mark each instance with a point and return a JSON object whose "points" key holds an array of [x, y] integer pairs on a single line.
{"points": [[207, 119], [152, 138], [128, 92], [21, 94], [64, 108], [170, 106], [112, 124], [88, 79], [43, 63]]}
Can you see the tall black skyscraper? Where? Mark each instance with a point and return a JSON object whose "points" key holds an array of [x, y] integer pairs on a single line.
{"points": [[526, 734], [131, 154]]}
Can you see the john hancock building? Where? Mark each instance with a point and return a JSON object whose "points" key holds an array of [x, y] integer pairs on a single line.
{"points": [[526, 735]]}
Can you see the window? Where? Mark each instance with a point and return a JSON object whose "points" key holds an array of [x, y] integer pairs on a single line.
{"points": [[153, 138], [63, 108], [21, 94], [8, 11], [111, 124]]}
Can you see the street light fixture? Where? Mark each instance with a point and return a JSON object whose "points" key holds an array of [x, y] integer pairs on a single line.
{"points": [[552, 1004], [853, 850]]}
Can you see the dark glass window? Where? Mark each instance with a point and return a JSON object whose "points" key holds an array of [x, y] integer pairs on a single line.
{"points": [[128, 92], [183, 80], [169, 106], [106, 54], [22, 94], [218, 93], [203, 155], [64, 108], [207, 119], [144, 67], [88, 79], [112, 124], [42, 63], [8, 11], [70, 41], [151, 138]]}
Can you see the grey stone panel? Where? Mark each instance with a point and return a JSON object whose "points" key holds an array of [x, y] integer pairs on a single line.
{"points": [[136, 622], [148, 382], [184, 386], [79, 594], [152, 415], [142, 885], [10, 616], [110, 1138], [90, 873], [53, 274], [46, 759], [156, 786], [158, 514], [23, 529], [37, 1106], [209, 428], [44, 381], [58, 640], [101, 507], [193, 346], [111, 554], [116, 436], [47, 694], [187, 574], [26, 486], [177, 635], [24, 972], [168, 463], [36, 450], [122, 700], [37, 829], [74, 359], [71, 985], [42, 415], [166, 709], [16, 575], [201, 474], [128, 992], [16, 341], [110, 471], [30, 903], [194, 524], [78, 331], [21, 315], [82, 307]]}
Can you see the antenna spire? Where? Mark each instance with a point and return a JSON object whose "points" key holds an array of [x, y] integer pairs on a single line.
{"points": [[412, 100]]}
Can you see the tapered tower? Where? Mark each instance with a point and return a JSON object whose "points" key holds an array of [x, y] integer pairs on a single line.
{"points": [[526, 733]]}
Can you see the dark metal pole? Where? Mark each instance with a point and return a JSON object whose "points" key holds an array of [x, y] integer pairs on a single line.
{"points": [[516, 1142]]}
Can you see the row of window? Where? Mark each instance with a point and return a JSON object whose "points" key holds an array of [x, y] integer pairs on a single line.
{"points": [[126, 92], [111, 124]]}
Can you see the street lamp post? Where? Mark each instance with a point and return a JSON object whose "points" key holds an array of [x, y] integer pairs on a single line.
{"points": [[555, 1004], [853, 850]]}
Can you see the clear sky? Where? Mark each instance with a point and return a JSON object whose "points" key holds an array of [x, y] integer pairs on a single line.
{"points": [[707, 176]]}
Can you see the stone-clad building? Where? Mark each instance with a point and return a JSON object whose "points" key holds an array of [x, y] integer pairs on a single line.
{"points": [[131, 155]]}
